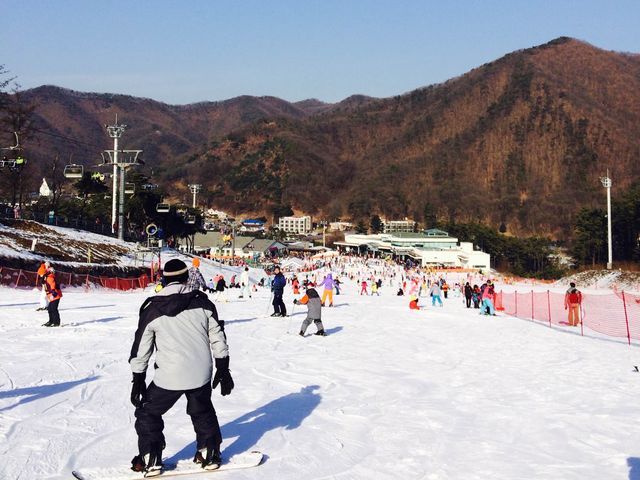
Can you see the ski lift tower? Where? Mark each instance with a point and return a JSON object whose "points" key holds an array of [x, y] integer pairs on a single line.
{"points": [[121, 160], [195, 189], [606, 183], [115, 131]]}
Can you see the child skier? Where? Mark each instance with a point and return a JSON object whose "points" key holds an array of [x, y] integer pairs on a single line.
{"points": [[328, 285], [413, 304], [475, 296], [314, 311]]}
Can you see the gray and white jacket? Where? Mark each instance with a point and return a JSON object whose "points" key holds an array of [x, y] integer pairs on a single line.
{"points": [[182, 326]]}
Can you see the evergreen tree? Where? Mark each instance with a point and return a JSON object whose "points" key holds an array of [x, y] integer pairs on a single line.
{"points": [[376, 224], [361, 228], [590, 236]]}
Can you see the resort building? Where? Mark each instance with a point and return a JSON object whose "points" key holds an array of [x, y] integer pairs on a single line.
{"points": [[398, 226], [430, 248], [299, 225]]}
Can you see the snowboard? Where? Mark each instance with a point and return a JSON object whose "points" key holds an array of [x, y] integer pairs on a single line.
{"points": [[183, 467]]}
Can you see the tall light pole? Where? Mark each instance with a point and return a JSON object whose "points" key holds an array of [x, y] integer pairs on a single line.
{"points": [[115, 132], [195, 189], [129, 159], [606, 183]]}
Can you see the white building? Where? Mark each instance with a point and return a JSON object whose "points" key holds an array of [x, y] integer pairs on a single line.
{"points": [[340, 226], [435, 248], [300, 225], [216, 214], [398, 226]]}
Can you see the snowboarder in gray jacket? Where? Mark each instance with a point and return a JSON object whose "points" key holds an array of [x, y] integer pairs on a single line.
{"points": [[182, 327], [314, 311]]}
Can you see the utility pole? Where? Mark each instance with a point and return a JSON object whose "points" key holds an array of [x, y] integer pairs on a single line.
{"points": [[115, 131], [233, 242], [195, 189], [129, 158], [606, 183]]}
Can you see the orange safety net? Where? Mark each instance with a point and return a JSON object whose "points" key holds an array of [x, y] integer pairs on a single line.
{"points": [[614, 315], [12, 277]]}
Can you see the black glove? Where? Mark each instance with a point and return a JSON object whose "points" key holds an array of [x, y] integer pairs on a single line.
{"points": [[295, 301], [139, 389], [223, 376]]}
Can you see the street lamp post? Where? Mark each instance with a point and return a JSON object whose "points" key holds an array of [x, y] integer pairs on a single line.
{"points": [[115, 132], [195, 189], [606, 183]]}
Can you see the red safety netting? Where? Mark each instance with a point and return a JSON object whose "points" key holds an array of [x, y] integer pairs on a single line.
{"points": [[632, 310], [22, 278], [615, 315]]}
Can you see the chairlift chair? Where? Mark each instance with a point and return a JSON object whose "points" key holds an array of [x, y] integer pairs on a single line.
{"points": [[14, 147], [129, 188], [163, 208], [73, 171], [6, 162]]}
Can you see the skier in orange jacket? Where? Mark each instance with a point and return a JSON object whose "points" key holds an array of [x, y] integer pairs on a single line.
{"points": [[54, 294]]}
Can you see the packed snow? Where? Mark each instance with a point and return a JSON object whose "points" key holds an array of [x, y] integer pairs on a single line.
{"points": [[440, 393]]}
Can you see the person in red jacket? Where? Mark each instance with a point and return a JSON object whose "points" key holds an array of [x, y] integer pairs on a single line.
{"points": [[54, 294], [413, 304], [572, 302]]}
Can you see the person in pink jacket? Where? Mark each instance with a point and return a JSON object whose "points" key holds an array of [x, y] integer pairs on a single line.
{"points": [[488, 295]]}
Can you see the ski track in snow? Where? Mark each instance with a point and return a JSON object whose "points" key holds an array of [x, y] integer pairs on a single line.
{"points": [[441, 393]]}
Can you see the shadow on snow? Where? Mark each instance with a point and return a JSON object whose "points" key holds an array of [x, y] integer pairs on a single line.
{"points": [[41, 391], [100, 320], [285, 412], [18, 304], [634, 468]]}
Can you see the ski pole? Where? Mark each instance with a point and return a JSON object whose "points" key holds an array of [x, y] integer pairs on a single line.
{"points": [[291, 318], [269, 304]]}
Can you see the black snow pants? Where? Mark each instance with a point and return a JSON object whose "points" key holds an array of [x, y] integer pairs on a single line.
{"points": [[158, 401], [54, 316], [278, 304]]}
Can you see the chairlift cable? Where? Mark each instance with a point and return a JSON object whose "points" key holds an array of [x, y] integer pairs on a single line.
{"points": [[68, 139]]}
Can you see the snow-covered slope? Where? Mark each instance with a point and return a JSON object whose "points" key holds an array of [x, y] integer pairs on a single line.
{"points": [[63, 245], [391, 393]]}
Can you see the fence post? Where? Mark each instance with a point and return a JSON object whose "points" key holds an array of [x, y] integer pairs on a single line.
{"points": [[626, 318], [515, 294], [549, 307], [532, 314], [18, 279]]}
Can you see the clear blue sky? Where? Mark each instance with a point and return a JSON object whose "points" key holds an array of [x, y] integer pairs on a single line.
{"points": [[181, 51]]}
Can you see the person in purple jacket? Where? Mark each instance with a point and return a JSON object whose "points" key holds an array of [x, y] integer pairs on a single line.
{"points": [[328, 284]]}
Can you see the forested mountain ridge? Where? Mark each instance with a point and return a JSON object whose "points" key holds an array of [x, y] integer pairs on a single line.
{"points": [[520, 141]]}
